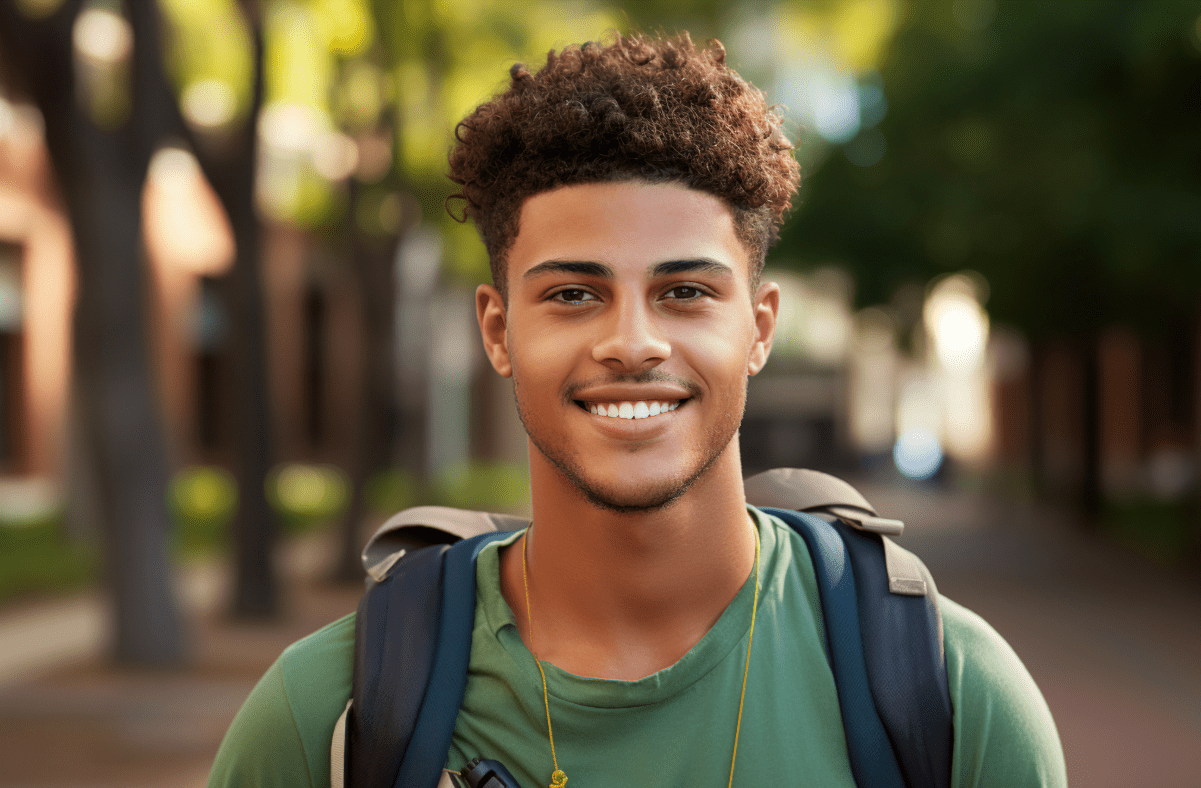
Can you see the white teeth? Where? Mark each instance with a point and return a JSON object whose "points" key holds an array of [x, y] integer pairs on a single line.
{"points": [[632, 410]]}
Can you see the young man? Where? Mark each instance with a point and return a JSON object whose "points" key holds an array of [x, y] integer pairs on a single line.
{"points": [[649, 628]]}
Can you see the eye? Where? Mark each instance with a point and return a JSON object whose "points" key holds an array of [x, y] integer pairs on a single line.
{"points": [[573, 296], [684, 292]]}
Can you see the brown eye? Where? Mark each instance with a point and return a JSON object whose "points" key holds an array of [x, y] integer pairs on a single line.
{"points": [[574, 296], [684, 292]]}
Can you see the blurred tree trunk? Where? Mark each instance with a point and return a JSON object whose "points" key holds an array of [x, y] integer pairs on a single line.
{"points": [[101, 174], [230, 168], [375, 422]]}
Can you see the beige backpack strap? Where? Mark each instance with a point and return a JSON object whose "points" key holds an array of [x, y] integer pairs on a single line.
{"points": [[421, 526], [804, 490], [451, 780], [337, 750]]}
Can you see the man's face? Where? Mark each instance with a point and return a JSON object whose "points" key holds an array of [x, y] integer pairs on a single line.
{"points": [[629, 331]]}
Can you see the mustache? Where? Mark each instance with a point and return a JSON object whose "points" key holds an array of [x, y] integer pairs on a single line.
{"points": [[646, 376]]}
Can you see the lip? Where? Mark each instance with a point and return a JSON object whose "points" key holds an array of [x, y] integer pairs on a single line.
{"points": [[657, 392], [631, 429], [635, 431]]}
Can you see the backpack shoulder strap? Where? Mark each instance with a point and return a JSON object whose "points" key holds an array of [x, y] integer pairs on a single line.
{"points": [[395, 631], [884, 643], [805, 490], [422, 526], [902, 633], [873, 762], [426, 752], [412, 646]]}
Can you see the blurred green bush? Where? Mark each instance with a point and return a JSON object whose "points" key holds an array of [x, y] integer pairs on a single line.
{"points": [[1164, 531], [306, 495], [391, 490], [36, 555], [203, 499], [490, 487]]}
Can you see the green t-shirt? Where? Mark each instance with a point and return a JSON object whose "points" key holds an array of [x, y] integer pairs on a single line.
{"points": [[672, 728]]}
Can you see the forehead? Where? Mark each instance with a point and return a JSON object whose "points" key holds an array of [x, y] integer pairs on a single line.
{"points": [[626, 225]]}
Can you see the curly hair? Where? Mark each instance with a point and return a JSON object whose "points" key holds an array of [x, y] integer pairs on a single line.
{"points": [[657, 110]]}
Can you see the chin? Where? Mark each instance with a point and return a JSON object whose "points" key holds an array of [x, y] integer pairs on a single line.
{"points": [[621, 497], [622, 500]]}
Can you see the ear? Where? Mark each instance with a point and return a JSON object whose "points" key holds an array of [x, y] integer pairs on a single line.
{"points": [[490, 312], [767, 308]]}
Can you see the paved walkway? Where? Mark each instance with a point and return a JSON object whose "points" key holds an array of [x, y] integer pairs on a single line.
{"points": [[1114, 644], [69, 721]]}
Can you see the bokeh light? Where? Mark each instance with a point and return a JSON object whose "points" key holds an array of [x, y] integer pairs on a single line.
{"points": [[209, 104], [103, 36], [957, 324], [918, 454], [305, 493]]}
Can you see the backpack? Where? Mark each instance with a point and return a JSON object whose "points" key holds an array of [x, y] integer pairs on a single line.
{"points": [[884, 638]]}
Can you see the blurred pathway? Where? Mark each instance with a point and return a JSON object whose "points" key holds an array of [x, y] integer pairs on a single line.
{"points": [[68, 720], [1113, 641]]}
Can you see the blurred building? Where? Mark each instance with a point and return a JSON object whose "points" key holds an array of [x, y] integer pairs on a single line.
{"points": [[312, 319], [35, 295], [315, 331], [314, 327], [798, 406], [1144, 393], [926, 384], [907, 385]]}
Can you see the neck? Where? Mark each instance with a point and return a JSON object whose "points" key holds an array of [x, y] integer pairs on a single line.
{"points": [[622, 595]]}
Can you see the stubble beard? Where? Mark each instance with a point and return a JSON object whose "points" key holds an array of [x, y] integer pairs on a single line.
{"points": [[649, 499]]}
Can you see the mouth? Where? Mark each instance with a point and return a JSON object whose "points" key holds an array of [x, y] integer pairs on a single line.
{"points": [[639, 409]]}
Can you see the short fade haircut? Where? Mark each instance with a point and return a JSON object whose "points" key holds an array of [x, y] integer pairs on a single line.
{"points": [[659, 110]]}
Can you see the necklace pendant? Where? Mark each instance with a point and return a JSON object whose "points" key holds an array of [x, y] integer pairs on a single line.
{"points": [[558, 779]]}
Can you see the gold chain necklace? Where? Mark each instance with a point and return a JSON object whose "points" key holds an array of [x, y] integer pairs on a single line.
{"points": [[558, 778]]}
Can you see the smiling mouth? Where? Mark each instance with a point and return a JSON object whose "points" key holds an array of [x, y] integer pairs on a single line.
{"points": [[641, 409]]}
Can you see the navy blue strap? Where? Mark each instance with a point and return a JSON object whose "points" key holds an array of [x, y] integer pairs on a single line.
{"points": [[426, 753], [395, 631], [906, 668], [873, 762]]}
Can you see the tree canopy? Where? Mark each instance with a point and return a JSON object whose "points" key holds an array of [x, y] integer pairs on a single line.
{"points": [[1049, 146]]}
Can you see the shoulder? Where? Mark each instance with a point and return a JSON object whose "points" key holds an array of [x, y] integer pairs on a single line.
{"points": [[319, 665], [1004, 734], [281, 735]]}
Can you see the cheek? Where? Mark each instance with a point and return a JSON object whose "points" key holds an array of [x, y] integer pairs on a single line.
{"points": [[719, 353], [542, 359]]}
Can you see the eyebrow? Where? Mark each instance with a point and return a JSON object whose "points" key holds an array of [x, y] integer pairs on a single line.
{"points": [[596, 270], [602, 271], [701, 265]]}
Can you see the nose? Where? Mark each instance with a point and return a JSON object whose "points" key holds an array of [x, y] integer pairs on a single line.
{"points": [[631, 342]]}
